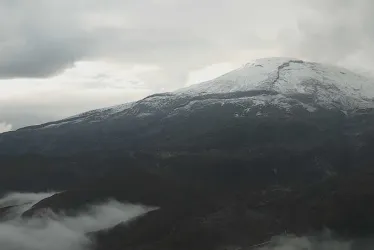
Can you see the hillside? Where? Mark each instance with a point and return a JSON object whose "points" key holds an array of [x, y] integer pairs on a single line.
{"points": [[277, 145]]}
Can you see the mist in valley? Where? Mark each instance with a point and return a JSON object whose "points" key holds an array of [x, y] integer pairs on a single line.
{"points": [[51, 231]]}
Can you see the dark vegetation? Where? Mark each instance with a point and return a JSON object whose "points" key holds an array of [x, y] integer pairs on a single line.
{"points": [[211, 198], [218, 180]]}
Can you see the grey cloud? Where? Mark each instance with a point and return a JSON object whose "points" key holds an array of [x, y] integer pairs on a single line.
{"points": [[336, 31], [36, 59], [43, 38]]}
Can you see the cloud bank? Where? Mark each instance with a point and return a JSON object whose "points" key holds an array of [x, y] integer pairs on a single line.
{"points": [[38, 40], [41, 41], [61, 58], [59, 232]]}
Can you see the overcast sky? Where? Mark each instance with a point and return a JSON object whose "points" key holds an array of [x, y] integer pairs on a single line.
{"points": [[62, 57]]}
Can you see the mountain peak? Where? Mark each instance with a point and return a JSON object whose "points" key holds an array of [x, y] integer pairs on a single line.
{"points": [[289, 76], [271, 60], [282, 83]]}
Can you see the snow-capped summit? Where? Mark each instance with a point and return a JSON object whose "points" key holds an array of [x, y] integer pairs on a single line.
{"points": [[329, 85], [281, 83], [283, 100]]}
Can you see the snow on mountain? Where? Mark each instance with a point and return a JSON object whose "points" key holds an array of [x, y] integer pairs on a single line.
{"points": [[329, 85], [278, 82], [104, 111], [93, 115]]}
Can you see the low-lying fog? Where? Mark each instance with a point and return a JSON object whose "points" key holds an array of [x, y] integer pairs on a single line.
{"points": [[58, 232]]}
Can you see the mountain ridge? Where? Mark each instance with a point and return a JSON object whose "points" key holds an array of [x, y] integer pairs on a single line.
{"points": [[281, 89], [275, 90], [239, 166]]}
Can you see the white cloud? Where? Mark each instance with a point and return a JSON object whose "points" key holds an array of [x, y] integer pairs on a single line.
{"points": [[58, 232], [5, 127], [22, 198]]}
